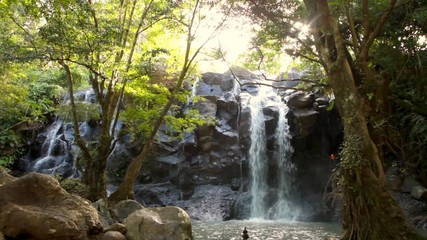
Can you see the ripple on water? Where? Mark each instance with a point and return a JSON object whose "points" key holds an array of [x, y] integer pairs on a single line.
{"points": [[265, 230]]}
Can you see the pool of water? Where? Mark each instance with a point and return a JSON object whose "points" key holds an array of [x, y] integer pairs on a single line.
{"points": [[265, 230]]}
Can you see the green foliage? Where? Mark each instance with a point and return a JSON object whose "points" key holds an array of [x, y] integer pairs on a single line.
{"points": [[73, 186], [27, 95], [114, 45], [270, 60], [145, 102], [188, 122], [331, 105], [418, 127], [25, 98], [6, 161], [85, 112]]}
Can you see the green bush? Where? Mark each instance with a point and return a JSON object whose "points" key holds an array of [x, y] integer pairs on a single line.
{"points": [[74, 186]]}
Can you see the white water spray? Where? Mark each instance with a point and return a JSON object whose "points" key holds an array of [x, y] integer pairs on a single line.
{"points": [[270, 203], [283, 207], [52, 136], [258, 159]]}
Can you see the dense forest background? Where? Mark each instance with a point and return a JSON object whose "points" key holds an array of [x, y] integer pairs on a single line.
{"points": [[140, 56]]}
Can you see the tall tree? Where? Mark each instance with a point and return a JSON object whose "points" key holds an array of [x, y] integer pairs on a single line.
{"points": [[342, 46], [193, 18], [104, 37]]}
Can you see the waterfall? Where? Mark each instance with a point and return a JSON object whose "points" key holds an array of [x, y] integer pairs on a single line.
{"points": [[55, 145], [194, 87], [270, 201], [51, 136], [283, 207], [258, 159], [58, 153], [87, 96]]}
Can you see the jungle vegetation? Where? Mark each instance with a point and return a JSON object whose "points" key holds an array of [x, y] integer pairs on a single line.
{"points": [[373, 55]]}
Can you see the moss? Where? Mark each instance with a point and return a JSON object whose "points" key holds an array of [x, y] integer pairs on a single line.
{"points": [[75, 186], [351, 152]]}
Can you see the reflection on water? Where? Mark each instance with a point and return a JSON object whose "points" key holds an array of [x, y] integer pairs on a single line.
{"points": [[265, 230]]}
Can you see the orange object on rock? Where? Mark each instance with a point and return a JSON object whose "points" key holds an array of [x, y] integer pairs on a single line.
{"points": [[332, 156]]}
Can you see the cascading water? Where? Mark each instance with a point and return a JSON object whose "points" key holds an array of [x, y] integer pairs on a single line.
{"points": [[52, 136], [258, 159], [194, 87], [283, 207], [268, 202], [56, 156]]}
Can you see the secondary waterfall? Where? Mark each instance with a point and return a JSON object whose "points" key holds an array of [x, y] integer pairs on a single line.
{"points": [[58, 154], [270, 201], [258, 159], [55, 158]]}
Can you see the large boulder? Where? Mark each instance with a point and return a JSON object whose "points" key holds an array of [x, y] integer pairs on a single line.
{"points": [[419, 193], [214, 84], [5, 177], [112, 235], [36, 207], [170, 223], [241, 73], [409, 183], [300, 100], [305, 120], [124, 208], [213, 79], [288, 80], [103, 212], [228, 108]]}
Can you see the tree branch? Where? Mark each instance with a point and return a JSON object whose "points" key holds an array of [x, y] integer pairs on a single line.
{"points": [[365, 18], [354, 37], [30, 37], [77, 136], [379, 26]]}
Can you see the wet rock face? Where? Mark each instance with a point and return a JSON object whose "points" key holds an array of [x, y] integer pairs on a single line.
{"points": [[181, 171], [204, 202], [210, 203], [413, 209], [214, 84], [242, 206]]}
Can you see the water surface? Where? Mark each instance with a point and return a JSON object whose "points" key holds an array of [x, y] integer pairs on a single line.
{"points": [[265, 230]]}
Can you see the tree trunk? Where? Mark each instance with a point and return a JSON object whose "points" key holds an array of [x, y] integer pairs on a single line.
{"points": [[125, 190], [369, 209], [95, 179], [94, 175]]}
